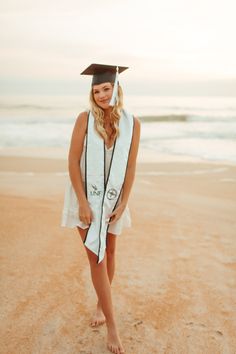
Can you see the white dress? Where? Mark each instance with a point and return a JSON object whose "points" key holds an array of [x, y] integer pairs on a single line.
{"points": [[70, 214]]}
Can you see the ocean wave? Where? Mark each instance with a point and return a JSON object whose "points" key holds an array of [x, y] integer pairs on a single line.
{"points": [[164, 118], [23, 106], [186, 118]]}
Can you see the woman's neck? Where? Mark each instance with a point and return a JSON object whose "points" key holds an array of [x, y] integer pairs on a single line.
{"points": [[107, 114]]}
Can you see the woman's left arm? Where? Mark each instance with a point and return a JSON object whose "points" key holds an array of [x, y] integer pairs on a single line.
{"points": [[130, 173]]}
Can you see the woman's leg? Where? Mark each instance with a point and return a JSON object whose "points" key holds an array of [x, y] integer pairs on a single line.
{"points": [[102, 286], [98, 317], [110, 250]]}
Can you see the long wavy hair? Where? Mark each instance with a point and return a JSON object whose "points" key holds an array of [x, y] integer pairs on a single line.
{"points": [[115, 114]]}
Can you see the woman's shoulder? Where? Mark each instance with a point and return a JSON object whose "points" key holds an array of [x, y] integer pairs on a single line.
{"points": [[137, 123], [83, 116], [136, 120], [82, 119], [137, 126], [81, 122]]}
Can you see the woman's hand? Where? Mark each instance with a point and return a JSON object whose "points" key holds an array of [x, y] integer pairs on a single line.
{"points": [[85, 213], [116, 214]]}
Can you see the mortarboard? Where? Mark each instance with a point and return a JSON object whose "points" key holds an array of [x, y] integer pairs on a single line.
{"points": [[105, 73]]}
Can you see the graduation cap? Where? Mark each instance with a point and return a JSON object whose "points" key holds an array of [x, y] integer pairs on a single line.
{"points": [[105, 73]]}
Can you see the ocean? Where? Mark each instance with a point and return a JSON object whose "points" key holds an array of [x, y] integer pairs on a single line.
{"points": [[199, 127]]}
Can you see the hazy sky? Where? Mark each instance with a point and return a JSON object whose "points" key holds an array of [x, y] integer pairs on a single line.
{"points": [[167, 44]]}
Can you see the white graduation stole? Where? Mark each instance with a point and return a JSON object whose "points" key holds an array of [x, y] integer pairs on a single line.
{"points": [[103, 197]]}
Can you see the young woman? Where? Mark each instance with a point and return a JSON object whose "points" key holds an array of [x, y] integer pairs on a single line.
{"points": [[102, 160]]}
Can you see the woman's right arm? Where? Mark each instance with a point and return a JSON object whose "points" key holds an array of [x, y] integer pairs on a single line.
{"points": [[75, 152]]}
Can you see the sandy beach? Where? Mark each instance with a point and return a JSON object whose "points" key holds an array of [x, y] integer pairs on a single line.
{"points": [[174, 290]]}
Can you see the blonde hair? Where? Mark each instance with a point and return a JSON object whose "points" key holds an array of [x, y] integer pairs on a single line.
{"points": [[98, 114]]}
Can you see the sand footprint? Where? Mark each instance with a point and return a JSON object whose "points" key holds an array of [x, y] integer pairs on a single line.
{"points": [[196, 325], [216, 333], [219, 333]]}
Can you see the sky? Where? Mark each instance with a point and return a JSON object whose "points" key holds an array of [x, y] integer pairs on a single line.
{"points": [[170, 46]]}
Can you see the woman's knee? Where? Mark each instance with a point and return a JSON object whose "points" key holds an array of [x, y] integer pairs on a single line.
{"points": [[110, 252]]}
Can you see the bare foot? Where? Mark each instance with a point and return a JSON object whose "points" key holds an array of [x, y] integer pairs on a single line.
{"points": [[113, 342], [98, 318]]}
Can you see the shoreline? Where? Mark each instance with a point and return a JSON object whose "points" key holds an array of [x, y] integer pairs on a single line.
{"points": [[28, 165], [145, 156]]}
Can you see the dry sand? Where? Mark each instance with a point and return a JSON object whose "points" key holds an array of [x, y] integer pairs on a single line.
{"points": [[174, 289]]}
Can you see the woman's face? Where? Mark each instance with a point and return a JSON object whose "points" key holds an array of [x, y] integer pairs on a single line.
{"points": [[102, 94]]}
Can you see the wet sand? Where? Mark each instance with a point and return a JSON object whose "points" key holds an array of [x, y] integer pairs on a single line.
{"points": [[174, 289]]}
